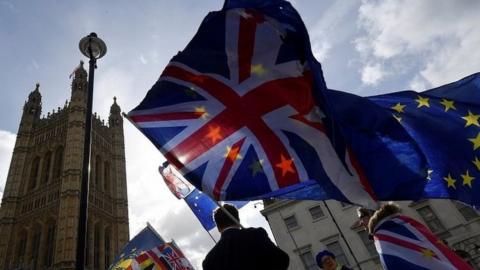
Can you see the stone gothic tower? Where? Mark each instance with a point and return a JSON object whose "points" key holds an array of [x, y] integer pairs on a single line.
{"points": [[40, 205]]}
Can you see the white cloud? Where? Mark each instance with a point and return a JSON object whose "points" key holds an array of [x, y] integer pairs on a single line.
{"points": [[418, 84], [323, 37], [320, 50], [372, 74], [443, 34], [7, 142], [143, 59]]}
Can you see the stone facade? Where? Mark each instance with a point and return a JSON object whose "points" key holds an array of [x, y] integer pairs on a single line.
{"points": [[40, 205], [302, 228]]}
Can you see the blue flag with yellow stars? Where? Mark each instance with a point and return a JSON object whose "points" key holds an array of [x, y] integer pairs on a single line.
{"points": [[145, 240], [445, 124], [203, 207]]}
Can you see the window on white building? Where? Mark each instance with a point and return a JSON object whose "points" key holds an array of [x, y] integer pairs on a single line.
{"points": [[307, 259], [467, 212], [291, 222], [431, 219], [316, 212], [337, 249], [368, 243]]}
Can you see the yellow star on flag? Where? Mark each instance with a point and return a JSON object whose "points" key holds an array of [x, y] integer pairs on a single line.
{"points": [[214, 134], [256, 166], [422, 102], [472, 119], [427, 253], [202, 111], [399, 107], [467, 179], [450, 181], [448, 104], [285, 165], [233, 153], [475, 141], [476, 162], [258, 69]]}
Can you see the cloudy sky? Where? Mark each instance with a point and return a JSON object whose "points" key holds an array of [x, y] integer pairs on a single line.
{"points": [[366, 47]]}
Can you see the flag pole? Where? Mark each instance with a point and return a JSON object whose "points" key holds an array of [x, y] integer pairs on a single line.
{"points": [[228, 214], [211, 236]]}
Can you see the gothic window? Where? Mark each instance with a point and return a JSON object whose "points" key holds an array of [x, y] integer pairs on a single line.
{"points": [[46, 167], [107, 247], [49, 252], [58, 163], [106, 177], [35, 246], [22, 244], [96, 247], [34, 173], [98, 171]]}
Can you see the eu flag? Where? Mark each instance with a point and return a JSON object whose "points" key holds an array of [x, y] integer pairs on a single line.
{"points": [[203, 207], [445, 124]]}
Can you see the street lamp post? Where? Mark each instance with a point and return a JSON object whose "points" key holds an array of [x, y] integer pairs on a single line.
{"points": [[94, 48]]}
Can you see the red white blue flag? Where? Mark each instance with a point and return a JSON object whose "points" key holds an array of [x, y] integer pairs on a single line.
{"points": [[235, 112], [404, 243], [243, 113]]}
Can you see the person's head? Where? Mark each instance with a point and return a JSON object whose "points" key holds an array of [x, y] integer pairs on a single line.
{"points": [[374, 217], [222, 220], [326, 260], [364, 215]]}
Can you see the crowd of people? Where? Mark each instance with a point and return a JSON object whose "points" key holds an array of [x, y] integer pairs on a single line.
{"points": [[251, 248]]}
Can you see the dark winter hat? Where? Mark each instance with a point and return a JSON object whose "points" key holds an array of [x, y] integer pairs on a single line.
{"points": [[321, 254]]}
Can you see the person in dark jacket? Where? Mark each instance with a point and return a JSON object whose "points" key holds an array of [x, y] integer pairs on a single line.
{"points": [[242, 249], [326, 260]]}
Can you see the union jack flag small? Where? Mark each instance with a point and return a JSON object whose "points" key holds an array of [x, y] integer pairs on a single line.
{"points": [[404, 243]]}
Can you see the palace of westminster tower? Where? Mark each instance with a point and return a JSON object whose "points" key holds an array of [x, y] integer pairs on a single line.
{"points": [[41, 200]]}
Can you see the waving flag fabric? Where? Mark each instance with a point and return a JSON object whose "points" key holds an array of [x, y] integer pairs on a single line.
{"points": [[145, 240], [201, 205], [177, 185], [445, 124], [147, 250], [244, 113], [236, 111], [404, 243]]}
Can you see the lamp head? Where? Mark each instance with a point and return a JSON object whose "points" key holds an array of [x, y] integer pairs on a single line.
{"points": [[92, 46]]}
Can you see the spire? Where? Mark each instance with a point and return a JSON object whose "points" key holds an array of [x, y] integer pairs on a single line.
{"points": [[115, 118], [35, 95], [115, 109], [34, 104], [79, 83], [79, 72]]}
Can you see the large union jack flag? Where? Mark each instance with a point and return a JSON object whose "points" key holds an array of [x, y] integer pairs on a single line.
{"points": [[235, 113]]}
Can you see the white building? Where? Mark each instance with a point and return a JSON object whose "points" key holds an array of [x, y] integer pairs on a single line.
{"points": [[302, 228]]}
